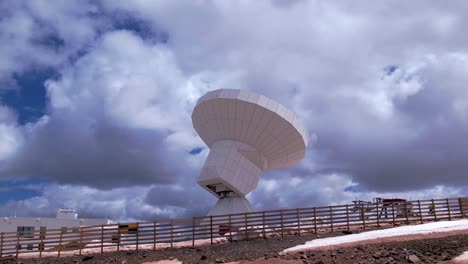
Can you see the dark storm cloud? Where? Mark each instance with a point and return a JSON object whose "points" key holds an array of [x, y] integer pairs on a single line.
{"points": [[99, 154], [421, 143], [187, 196]]}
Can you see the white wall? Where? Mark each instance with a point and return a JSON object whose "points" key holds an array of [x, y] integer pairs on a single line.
{"points": [[9, 224]]}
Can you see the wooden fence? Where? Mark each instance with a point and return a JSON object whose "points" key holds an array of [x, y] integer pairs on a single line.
{"points": [[213, 229]]}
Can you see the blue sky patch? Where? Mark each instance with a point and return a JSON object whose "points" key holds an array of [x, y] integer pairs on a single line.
{"points": [[196, 151], [354, 189], [17, 190], [390, 69], [30, 99], [52, 41], [140, 27]]}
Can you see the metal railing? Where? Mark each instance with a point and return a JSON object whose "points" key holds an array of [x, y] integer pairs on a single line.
{"points": [[213, 229]]}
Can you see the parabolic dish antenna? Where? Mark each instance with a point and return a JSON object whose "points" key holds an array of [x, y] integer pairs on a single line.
{"points": [[247, 134]]}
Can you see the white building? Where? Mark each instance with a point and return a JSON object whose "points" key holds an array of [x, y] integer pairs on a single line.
{"points": [[66, 218]]}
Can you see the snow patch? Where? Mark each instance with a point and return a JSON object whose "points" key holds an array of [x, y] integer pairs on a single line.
{"points": [[167, 261], [463, 258], [436, 227]]}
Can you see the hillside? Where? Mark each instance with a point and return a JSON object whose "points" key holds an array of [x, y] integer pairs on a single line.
{"points": [[418, 244]]}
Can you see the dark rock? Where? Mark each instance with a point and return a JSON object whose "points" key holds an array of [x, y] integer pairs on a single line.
{"points": [[87, 258], [203, 257]]}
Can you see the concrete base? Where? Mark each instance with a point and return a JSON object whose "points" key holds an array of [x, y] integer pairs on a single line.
{"points": [[231, 205]]}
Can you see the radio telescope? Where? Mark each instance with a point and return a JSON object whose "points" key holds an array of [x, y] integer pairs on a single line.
{"points": [[247, 134]]}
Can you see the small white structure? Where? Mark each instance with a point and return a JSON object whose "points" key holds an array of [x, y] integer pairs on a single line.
{"points": [[247, 134], [66, 218]]}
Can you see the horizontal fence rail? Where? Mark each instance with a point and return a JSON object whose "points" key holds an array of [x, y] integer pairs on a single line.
{"points": [[214, 229]]}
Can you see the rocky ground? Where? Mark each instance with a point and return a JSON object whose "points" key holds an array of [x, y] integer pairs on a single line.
{"points": [[432, 250]]}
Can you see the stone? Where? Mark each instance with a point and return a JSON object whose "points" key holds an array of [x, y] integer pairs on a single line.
{"points": [[87, 258], [413, 258]]}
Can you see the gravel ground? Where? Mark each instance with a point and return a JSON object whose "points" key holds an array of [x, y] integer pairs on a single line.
{"points": [[266, 251]]}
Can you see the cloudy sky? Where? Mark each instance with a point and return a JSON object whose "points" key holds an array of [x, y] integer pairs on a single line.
{"points": [[96, 100]]}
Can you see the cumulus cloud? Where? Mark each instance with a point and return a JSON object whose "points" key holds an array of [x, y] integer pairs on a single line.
{"points": [[124, 204], [37, 34], [290, 190], [379, 86], [112, 119], [419, 142], [389, 130], [10, 134]]}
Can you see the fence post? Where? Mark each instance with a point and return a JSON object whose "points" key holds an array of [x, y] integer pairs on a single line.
{"points": [[230, 226], [298, 222], [282, 226], [420, 212], [347, 216], [1, 245], [172, 234], [393, 213], [363, 217], [81, 240], [41, 243], [60, 242], [406, 213], [331, 218], [460, 204], [377, 216], [246, 226], [434, 207], [118, 237], [315, 220], [154, 235], [448, 208], [193, 231], [17, 244], [102, 239], [263, 223], [137, 235], [211, 230]]}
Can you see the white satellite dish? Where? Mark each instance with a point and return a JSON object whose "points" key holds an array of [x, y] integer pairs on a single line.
{"points": [[247, 134]]}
